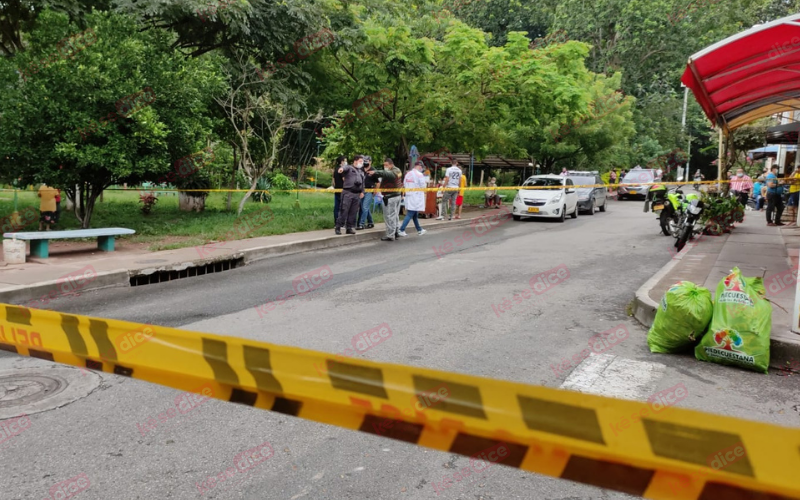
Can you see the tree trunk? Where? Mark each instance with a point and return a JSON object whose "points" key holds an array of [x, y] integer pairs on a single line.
{"points": [[187, 203], [85, 196], [247, 195], [232, 183], [401, 157]]}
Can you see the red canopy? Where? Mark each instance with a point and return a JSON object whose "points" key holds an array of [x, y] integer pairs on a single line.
{"points": [[750, 75]]}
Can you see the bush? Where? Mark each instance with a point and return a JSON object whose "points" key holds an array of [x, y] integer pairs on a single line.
{"points": [[507, 179], [323, 179], [260, 195], [148, 201], [198, 180], [281, 182], [720, 213]]}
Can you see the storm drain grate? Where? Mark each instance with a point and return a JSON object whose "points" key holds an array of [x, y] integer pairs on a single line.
{"points": [[170, 275]]}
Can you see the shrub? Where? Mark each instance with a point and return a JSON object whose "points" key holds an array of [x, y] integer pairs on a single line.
{"points": [[260, 196], [281, 182], [148, 201]]}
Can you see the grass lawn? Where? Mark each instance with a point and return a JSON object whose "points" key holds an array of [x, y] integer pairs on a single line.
{"points": [[167, 227]]}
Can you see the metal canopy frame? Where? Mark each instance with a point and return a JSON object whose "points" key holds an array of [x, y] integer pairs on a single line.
{"points": [[738, 80]]}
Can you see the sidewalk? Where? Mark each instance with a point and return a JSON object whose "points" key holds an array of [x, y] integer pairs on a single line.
{"points": [[129, 266], [757, 250]]}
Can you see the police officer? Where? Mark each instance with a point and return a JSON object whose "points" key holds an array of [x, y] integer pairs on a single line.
{"points": [[352, 192]]}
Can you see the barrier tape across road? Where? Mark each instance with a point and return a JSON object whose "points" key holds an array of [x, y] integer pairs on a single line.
{"points": [[406, 190], [610, 443]]}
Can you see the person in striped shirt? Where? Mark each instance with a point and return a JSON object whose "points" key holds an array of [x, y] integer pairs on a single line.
{"points": [[742, 185]]}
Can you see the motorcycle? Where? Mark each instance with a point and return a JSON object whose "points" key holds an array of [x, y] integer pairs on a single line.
{"points": [[693, 210], [671, 207], [657, 202]]}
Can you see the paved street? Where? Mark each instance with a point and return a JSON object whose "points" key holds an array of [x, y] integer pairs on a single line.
{"points": [[446, 311]]}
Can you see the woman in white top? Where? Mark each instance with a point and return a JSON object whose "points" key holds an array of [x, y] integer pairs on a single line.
{"points": [[415, 200]]}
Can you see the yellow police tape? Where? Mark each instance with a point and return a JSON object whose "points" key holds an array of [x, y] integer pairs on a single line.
{"points": [[406, 190], [622, 445]]}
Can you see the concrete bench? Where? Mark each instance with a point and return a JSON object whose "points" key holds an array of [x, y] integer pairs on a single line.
{"points": [[40, 239]]}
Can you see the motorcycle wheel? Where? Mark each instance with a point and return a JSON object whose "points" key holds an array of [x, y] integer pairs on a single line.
{"points": [[683, 238], [664, 220]]}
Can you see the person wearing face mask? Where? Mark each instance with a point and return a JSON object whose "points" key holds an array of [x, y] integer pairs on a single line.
{"points": [[389, 179], [415, 200], [341, 161], [774, 198], [352, 192], [742, 185]]}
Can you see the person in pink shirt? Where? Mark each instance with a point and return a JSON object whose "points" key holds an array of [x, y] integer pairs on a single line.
{"points": [[742, 186]]}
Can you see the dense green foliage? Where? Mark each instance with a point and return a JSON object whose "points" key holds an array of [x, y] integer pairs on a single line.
{"points": [[267, 83]]}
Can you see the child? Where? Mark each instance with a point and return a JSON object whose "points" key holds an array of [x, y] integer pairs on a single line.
{"points": [[439, 198], [460, 197]]}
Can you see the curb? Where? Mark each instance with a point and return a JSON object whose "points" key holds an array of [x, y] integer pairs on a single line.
{"points": [[261, 253], [45, 290], [644, 311], [121, 277], [644, 308]]}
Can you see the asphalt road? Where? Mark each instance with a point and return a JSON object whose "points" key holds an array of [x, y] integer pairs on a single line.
{"points": [[443, 310]]}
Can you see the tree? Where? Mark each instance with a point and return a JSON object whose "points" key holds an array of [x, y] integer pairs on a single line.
{"points": [[259, 121], [18, 17], [62, 126]]}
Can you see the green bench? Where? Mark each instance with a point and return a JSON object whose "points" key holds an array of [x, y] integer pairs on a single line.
{"points": [[40, 239]]}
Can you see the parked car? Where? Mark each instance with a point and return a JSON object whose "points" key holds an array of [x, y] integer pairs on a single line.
{"points": [[590, 198], [554, 203], [638, 178]]}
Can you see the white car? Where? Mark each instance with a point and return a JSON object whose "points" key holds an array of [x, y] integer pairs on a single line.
{"points": [[555, 202]]}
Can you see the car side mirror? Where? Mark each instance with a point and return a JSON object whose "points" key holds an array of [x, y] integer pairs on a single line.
{"points": [[570, 191]]}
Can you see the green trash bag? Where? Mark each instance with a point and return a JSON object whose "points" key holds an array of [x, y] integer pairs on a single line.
{"points": [[681, 319], [742, 322]]}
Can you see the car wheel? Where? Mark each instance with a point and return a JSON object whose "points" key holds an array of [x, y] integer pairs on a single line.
{"points": [[591, 209], [516, 217], [574, 213], [603, 206], [563, 214]]}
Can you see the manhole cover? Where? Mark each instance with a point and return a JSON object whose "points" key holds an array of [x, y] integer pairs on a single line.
{"points": [[23, 390], [151, 261], [34, 390]]}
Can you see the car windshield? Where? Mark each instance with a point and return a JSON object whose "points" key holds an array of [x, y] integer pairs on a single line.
{"points": [[638, 177], [543, 182], [582, 180]]}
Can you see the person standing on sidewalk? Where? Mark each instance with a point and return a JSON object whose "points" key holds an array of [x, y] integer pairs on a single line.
{"points": [[794, 195], [337, 184], [460, 197], [365, 219], [452, 177], [774, 199], [389, 178], [741, 185], [352, 192], [415, 200]]}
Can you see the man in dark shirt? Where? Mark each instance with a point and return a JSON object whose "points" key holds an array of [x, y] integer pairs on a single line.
{"points": [[352, 192], [365, 211], [390, 178], [338, 181]]}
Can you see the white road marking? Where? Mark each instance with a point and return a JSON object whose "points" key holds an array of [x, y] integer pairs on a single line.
{"points": [[612, 376]]}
